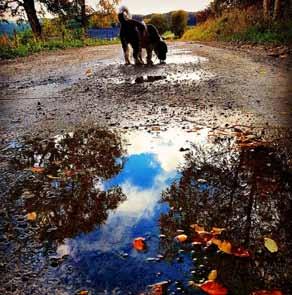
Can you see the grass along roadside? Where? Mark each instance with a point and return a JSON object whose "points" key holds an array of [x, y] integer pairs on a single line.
{"points": [[238, 25], [10, 49]]}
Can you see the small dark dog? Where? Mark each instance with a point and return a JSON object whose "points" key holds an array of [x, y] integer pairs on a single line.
{"points": [[140, 35]]}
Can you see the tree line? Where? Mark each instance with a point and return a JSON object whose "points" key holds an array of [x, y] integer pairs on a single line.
{"points": [[271, 10]]}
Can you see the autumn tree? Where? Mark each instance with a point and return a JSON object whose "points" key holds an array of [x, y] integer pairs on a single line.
{"points": [[179, 21], [272, 9], [203, 15], [159, 21], [27, 9], [22, 9], [106, 13]]}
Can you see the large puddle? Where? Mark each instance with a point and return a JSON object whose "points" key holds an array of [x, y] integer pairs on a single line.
{"points": [[204, 202]]}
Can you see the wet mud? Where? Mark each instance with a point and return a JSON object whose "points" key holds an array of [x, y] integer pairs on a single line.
{"points": [[193, 159]]}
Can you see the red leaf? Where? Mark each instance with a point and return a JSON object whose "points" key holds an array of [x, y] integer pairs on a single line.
{"points": [[240, 252], [139, 244], [213, 288]]}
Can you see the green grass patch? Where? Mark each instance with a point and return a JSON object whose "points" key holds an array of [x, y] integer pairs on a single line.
{"points": [[9, 50], [168, 35]]}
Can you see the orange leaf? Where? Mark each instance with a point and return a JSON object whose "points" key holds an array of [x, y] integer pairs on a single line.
{"points": [[31, 216], [224, 246], [84, 292], [139, 244], [181, 238], [264, 292], [213, 288], [37, 170], [159, 288], [199, 229], [216, 231]]}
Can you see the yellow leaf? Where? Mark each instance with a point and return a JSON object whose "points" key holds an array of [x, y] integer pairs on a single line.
{"points": [[212, 275], [271, 245], [31, 216], [181, 238], [53, 177], [84, 292]]}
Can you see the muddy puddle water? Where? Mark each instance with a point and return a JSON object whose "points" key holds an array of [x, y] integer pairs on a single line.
{"points": [[203, 201]]}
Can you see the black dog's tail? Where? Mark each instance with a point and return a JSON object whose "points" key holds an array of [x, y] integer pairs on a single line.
{"points": [[124, 14]]}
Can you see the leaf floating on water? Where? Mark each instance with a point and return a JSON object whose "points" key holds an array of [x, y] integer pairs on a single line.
{"points": [[181, 238], [271, 245], [53, 177], [224, 246], [199, 229], [213, 288], [213, 275], [37, 170], [139, 244], [216, 231], [83, 292], [240, 252], [159, 288], [31, 216], [265, 292]]}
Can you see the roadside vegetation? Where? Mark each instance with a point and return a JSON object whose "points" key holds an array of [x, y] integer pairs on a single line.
{"points": [[67, 29], [24, 43], [244, 21]]}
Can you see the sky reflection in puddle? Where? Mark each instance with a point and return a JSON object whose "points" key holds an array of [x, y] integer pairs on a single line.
{"points": [[105, 257], [94, 190]]}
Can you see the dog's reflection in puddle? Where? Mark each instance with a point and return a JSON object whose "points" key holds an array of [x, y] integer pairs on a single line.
{"points": [[149, 79]]}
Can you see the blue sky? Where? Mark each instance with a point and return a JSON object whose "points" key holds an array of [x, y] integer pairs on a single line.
{"points": [[149, 6]]}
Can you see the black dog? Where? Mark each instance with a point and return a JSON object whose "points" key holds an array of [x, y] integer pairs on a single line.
{"points": [[139, 36]]}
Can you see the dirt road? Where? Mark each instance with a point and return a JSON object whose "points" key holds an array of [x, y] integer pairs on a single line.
{"points": [[201, 84], [120, 179]]}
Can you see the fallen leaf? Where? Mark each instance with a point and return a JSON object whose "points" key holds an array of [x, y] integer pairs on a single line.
{"points": [[181, 238], [212, 275], [224, 246], [216, 231], [84, 292], [199, 229], [37, 169], [53, 177], [240, 252], [155, 128], [213, 288], [159, 288], [139, 244], [31, 216], [89, 73], [264, 292], [271, 245]]}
